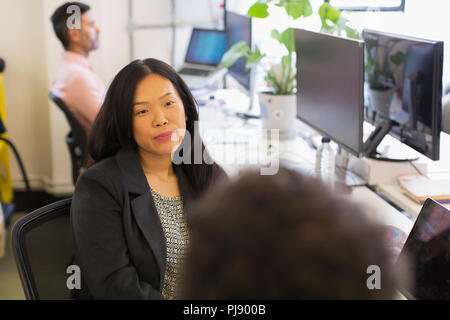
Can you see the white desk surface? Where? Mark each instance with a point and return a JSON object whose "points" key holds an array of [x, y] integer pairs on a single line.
{"points": [[379, 210], [394, 193], [240, 146], [435, 170], [234, 152], [299, 155]]}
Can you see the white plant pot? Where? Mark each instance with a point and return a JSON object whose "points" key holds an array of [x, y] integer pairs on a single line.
{"points": [[279, 112]]}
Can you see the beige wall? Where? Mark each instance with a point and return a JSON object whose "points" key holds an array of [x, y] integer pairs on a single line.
{"points": [[112, 17], [32, 54], [25, 78]]}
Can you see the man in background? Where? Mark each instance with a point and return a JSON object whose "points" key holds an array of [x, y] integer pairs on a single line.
{"points": [[76, 83]]}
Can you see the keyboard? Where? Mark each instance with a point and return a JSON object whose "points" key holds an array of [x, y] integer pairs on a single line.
{"points": [[195, 72]]}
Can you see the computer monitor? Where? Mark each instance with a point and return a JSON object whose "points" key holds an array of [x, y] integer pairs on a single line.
{"points": [[403, 81], [206, 46], [330, 92], [239, 28]]}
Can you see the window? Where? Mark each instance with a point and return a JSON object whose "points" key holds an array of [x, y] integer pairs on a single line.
{"points": [[368, 5]]}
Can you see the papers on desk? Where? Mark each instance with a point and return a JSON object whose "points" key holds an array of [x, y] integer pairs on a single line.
{"points": [[419, 188]]}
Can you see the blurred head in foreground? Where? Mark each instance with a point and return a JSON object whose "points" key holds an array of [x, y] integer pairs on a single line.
{"points": [[284, 236]]}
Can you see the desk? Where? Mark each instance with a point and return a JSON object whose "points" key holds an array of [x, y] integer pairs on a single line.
{"points": [[394, 193], [241, 142], [435, 170], [236, 144]]}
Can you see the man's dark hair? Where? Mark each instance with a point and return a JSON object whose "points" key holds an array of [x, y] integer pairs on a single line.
{"points": [[59, 20], [284, 236]]}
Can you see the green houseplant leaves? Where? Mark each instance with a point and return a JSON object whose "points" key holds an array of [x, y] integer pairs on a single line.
{"points": [[281, 77]]}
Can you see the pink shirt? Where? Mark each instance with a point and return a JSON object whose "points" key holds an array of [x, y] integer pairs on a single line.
{"points": [[79, 87]]}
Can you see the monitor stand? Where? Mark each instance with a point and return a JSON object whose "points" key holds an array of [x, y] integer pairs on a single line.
{"points": [[345, 178], [375, 138], [251, 112]]}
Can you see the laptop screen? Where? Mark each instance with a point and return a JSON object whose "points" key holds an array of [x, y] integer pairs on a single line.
{"points": [[428, 250], [206, 46]]}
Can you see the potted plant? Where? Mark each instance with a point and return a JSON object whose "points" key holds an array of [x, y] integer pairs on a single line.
{"points": [[380, 70], [278, 105]]}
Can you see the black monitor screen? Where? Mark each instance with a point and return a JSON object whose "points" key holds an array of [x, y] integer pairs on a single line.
{"points": [[330, 73], [428, 252], [404, 84], [238, 28]]}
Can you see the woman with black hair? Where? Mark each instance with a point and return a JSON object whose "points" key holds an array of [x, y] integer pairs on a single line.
{"points": [[129, 211]]}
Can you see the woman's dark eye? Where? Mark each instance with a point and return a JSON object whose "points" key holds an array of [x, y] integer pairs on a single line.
{"points": [[169, 103], [140, 112]]}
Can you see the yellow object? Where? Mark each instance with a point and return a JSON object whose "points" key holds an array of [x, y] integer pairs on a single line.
{"points": [[6, 190]]}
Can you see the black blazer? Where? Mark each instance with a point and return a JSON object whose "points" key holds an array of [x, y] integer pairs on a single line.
{"points": [[119, 242]]}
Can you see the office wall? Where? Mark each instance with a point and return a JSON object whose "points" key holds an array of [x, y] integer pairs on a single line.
{"points": [[22, 46], [32, 53], [112, 55], [159, 39]]}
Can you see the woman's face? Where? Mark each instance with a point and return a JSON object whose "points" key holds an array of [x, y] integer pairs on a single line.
{"points": [[159, 120]]}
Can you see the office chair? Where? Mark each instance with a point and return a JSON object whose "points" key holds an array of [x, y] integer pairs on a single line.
{"points": [[76, 139], [43, 250]]}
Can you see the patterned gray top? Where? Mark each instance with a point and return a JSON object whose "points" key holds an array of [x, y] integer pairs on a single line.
{"points": [[173, 221]]}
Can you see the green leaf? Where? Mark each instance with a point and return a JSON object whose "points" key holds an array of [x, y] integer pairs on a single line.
{"points": [[237, 51], [286, 61], [286, 38], [298, 8], [398, 58], [276, 35], [253, 58], [351, 33], [271, 80], [308, 10], [327, 12], [333, 14], [258, 10]]}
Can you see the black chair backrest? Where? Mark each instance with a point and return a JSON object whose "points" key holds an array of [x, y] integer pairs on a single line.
{"points": [[76, 139], [43, 250]]}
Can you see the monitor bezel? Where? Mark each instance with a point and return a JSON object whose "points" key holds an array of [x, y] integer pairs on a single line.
{"points": [[360, 45], [436, 89], [429, 202], [235, 75]]}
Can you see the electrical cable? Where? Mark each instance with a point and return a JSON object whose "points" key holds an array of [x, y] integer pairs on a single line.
{"points": [[19, 161]]}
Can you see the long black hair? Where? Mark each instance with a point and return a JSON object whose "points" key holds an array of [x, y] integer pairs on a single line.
{"points": [[113, 127]]}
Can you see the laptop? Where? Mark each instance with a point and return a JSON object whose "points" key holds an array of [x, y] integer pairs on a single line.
{"points": [[204, 53], [427, 250]]}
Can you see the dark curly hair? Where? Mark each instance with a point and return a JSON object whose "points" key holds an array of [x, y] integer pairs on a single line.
{"points": [[284, 236]]}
